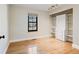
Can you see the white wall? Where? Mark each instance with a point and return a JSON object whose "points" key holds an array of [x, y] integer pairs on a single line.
{"points": [[76, 26], [19, 24]]}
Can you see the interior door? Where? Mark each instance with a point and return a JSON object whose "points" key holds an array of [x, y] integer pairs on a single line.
{"points": [[3, 28], [60, 27]]}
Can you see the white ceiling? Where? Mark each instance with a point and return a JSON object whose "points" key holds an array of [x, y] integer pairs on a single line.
{"points": [[42, 7]]}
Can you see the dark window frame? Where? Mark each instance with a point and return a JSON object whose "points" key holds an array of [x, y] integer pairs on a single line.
{"points": [[33, 30]]}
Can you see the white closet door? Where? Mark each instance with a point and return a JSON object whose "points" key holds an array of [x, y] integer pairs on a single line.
{"points": [[60, 27]]}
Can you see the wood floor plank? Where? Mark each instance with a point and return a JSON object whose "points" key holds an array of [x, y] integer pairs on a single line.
{"points": [[45, 46]]}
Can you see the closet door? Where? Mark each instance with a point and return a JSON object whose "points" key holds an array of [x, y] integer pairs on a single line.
{"points": [[60, 27]]}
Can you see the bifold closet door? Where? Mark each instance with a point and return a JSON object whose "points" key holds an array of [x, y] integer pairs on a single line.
{"points": [[60, 27]]}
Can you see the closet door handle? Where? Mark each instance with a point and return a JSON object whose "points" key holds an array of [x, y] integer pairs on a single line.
{"points": [[2, 36]]}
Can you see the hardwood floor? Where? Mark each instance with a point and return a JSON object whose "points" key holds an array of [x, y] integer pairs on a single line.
{"points": [[45, 46]]}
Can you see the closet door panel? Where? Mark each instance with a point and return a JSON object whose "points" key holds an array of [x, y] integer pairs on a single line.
{"points": [[60, 27]]}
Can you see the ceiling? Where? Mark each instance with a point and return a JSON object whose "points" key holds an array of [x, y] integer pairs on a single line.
{"points": [[42, 7]]}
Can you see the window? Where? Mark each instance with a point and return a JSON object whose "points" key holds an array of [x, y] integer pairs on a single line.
{"points": [[32, 22]]}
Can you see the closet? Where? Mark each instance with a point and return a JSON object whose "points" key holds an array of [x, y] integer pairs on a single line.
{"points": [[62, 27], [53, 26], [69, 27]]}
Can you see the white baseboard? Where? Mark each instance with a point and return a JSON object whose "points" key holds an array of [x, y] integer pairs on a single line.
{"points": [[18, 40], [75, 46], [61, 39]]}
